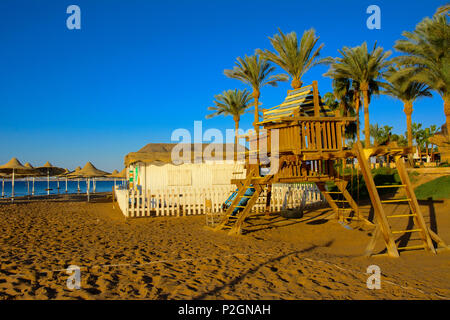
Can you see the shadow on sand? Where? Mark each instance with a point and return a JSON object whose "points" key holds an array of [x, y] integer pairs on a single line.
{"points": [[253, 270]]}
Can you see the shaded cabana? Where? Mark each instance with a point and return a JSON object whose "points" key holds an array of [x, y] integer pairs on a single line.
{"points": [[13, 167]]}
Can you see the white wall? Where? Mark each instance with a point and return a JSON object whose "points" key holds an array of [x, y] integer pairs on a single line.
{"points": [[196, 174]]}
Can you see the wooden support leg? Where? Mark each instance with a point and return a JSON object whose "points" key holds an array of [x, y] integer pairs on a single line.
{"points": [[371, 246], [342, 186], [440, 242], [268, 199], [376, 202]]}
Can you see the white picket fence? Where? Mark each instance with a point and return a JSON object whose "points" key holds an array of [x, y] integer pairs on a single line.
{"points": [[185, 201]]}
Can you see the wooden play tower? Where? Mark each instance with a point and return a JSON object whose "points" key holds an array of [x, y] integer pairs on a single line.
{"points": [[311, 144]]}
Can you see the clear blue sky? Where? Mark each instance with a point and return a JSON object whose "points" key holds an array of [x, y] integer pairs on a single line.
{"points": [[137, 70]]}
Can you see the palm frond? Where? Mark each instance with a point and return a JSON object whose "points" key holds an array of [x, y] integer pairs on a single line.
{"points": [[294, 57], [231, 102], [254, 71]]}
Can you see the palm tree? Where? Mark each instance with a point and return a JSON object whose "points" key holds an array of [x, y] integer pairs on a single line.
{"points": [[417, 133], [293, 57], [344, 94], [331, 101], [433, 130], [400, 139], [231, 103], [380, 135], [406, 91], [426, 56], [427, 134], [365, 69], [443, 9], [256, 72]]}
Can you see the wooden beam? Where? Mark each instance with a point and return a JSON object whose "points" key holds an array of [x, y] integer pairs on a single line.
{"points": [[376, 202], [316, 99], [321, 186], [342, 186]]}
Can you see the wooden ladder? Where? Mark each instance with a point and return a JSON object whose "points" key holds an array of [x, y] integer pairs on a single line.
{"points": [[382, 220], [235, 214], [351, 212]]}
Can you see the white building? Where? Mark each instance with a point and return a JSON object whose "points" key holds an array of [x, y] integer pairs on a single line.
{"points": [[153, 167]]}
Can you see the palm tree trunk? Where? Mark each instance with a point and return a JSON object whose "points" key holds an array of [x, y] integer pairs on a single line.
{"points": [[420, 154], [407, 108], [236, 128], [358, 137], [447, 112], [366, 119], [296, 83]]}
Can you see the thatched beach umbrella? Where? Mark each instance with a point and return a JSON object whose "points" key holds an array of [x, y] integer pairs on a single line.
{"points": [[118, 175], [78, 178], [89, 171], [32, 173], [114, 175], [3, 176], [13, 166], [64, 175], [122, 175], [49, 170]]}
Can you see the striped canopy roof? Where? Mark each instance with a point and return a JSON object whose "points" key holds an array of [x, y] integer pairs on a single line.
{"points": [[300, 99]]}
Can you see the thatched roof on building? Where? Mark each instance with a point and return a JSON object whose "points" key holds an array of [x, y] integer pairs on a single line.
{"points": [[161, 153], [442, 140]]}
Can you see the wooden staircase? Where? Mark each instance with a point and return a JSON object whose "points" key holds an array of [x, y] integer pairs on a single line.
{"points": [[242, 202], [342, 203], [383, 221]]}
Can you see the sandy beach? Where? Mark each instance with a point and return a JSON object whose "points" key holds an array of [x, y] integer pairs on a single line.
{"points": [[179, 258]]}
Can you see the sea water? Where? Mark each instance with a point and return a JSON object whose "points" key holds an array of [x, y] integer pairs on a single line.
{"points": [[23, 187]]}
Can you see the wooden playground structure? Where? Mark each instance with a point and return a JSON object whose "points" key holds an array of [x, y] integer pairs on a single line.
{"points": [[311, 143]]}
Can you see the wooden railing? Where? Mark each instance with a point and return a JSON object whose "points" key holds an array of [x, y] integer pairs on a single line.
{"points": [[306, 134], [322, 135]]}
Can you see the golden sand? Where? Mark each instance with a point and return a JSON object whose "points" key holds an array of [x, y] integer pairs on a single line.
{"points": [[179, 258]]}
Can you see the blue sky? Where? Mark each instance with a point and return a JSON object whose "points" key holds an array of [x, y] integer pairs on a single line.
{"points": [[137, 70]]}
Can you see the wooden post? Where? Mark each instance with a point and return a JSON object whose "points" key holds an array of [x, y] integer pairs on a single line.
{"points": [[316, 99], [268, 199]]}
